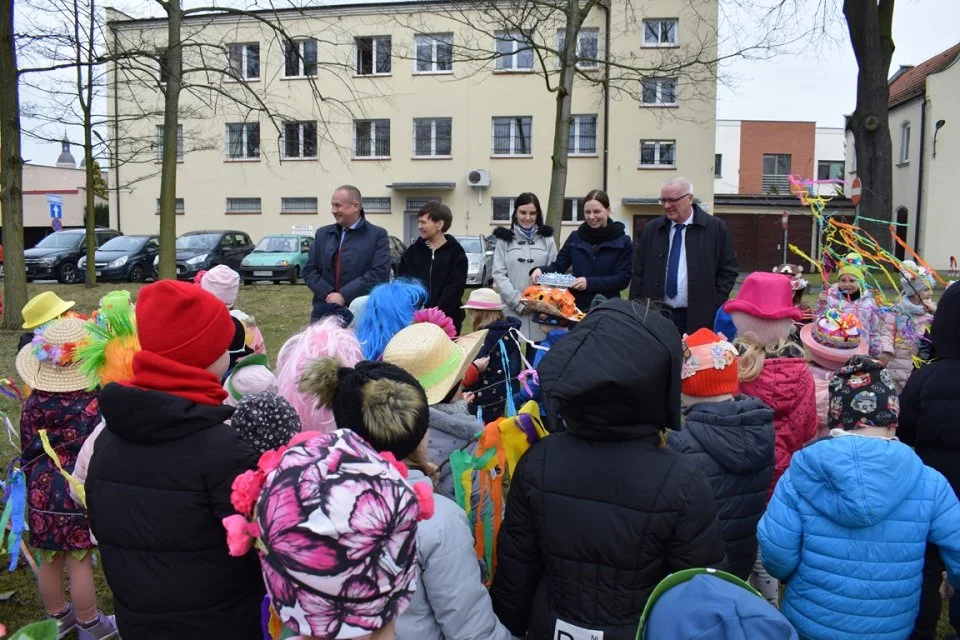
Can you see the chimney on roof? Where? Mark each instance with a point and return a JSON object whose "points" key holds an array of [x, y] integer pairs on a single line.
{"points": [[899, 72]]}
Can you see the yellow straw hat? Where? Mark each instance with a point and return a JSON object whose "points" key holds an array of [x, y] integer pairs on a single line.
{"points": [[44, 307], [426, 352], [49, 364]]}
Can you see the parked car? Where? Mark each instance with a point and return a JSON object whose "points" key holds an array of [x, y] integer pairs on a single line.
{"points": [[123, 258], [202, 250], [396, 252], [479, 260], [56, 256], [277, 258]]}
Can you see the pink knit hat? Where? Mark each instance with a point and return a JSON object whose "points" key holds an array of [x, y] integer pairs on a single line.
{"points": [[223, 282], [765, 295]]}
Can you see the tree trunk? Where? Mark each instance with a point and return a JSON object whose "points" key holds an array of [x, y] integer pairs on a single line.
{"points": [[168, 172], [85, 95], [11, 175], [870, 25]]}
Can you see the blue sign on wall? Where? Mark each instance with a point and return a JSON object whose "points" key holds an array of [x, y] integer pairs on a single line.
{"points": [[56, 207]]}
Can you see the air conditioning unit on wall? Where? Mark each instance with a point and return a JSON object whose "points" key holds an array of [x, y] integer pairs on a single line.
{"points": [[478, 177]]}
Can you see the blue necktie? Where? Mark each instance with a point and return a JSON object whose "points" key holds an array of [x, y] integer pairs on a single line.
{"points": [[673, 261]]}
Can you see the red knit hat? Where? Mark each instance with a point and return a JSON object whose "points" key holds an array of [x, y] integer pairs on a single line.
{"points": [[182, 322], [709, 365]]}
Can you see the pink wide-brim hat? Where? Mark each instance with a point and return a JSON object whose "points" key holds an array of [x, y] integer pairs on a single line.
{"points": [[830, 357], [765, 295]]}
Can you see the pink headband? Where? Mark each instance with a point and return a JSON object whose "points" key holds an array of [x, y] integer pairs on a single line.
{"points": [[486, 306], [716, 355]]}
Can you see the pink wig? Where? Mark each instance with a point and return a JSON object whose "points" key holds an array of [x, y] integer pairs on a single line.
{"points": [[320, 340]]}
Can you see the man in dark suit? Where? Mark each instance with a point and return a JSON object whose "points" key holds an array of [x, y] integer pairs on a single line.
{"points": [[684, 259], [348, 258]]}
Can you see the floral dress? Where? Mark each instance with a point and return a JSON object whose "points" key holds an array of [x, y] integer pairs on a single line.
{"points": [[56, 521]]}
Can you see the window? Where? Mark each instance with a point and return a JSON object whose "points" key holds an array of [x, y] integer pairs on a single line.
{"points": [[904, 143], [159, 143], [376, 205], [163, 66], [243, 141], [583, 135], [572, 210], [179, 206], [434, 52], [588, 47], [660, 33], [300, 58], [660, 91], [776, 172], [298, 205], [373, 55], [240, 206], [512, 136], [658, 153], [371, 139], [245, 61], [300, 140], [432, 136], [830, 170], [502, 209], [718, 165], [514, 53]]}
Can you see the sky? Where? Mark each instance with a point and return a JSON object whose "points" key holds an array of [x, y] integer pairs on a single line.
{"points": [[815, 81]]}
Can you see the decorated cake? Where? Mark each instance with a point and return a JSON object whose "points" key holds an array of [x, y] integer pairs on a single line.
{"points": [[554, 301], [837, 330], [563, 280]]}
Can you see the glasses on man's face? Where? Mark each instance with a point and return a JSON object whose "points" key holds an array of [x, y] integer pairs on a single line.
{"points": [[664, 201]]}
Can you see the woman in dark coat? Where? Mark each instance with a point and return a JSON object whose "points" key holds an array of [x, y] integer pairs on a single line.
{"points": [[599, 253], [599, 513]]}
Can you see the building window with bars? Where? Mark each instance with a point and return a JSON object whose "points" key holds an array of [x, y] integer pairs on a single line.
{"points": [[660, 33], [830, 170], [583, 135], [244, 61], [298, 206], [659, 91], [432, 137], [514, 52], [434, 52], [158, 145], [300, 58], [376, 205], [243, 141], [373, 55], [502, 209], [512, 136], [776, 172], [299, 140], [179, 206], [588, 47], [658, 153], [371, 139], [572, 210], [243, 206]]}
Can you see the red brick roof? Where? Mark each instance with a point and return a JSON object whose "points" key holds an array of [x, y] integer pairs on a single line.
{"points": [[912, 82]]}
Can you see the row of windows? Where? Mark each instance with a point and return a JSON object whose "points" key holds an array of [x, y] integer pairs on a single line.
{"points": [[293, 206]]}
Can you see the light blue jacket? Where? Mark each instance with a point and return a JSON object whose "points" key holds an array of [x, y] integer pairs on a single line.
{"points": [[847, 527]]}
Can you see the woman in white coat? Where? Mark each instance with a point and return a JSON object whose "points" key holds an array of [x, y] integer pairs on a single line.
{"points": [[526, 244]]}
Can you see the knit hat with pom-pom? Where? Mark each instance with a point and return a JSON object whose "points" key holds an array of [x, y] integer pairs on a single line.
{"points": [[709, 365]]}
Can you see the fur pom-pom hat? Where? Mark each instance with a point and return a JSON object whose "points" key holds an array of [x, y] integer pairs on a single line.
{"points": [[383, 403]]}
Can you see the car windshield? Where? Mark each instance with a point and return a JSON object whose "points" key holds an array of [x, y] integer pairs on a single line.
{"points": [[198, 241], [277, 244], [123, 243], [471, 245], [60, 241]]}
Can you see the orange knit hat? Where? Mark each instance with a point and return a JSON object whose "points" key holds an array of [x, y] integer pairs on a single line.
{"points": [[709, 365]]}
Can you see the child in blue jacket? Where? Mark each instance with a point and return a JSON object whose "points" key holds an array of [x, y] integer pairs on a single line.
{"points": [[849, 521]]}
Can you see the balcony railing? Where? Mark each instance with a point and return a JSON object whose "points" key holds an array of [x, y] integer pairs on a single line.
{"points": [[776, 184]]}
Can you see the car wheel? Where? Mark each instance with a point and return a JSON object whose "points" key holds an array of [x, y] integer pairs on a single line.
{"points": [[137, 274], [248, 282], [483, 277], [68, 273], [296, 275]]}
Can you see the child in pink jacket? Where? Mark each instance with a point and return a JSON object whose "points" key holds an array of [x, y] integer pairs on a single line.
{"points": [[904, 330]]}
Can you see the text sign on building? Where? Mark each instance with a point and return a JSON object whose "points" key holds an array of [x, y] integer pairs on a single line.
{"points": [[302, 229], [56, 207]]}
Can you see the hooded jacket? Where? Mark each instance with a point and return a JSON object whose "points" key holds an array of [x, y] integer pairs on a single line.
{"points": [[513, 259], [903, 339], [599, 514], [847, 530], [157, 488], [732, 444], [605, 265], [443, 273], [451, 428], [500, 376]]}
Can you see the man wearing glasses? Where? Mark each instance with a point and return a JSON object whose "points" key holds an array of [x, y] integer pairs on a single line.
{"points": [[684, 260]]}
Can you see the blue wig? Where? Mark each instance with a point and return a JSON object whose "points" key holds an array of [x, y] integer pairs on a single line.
{"points": [[390, 308]]}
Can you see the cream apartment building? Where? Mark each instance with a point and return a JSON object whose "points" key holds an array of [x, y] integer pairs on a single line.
{"points": [[383, 96]]}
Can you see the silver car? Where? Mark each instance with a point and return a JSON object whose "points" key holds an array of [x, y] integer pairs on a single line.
{"points": [[479, 260]]}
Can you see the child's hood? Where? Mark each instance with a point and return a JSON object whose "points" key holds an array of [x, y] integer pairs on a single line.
{"points": [[855, 481], [737, 434], [449, 419]]}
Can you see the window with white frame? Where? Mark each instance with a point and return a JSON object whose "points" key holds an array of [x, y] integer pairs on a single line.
{"points": [[432, 137], [373, 55], [298, 205], [434, 52], [243, 205], [513, 136], [502, 209], [300, 58], [776, 172], [662, 91], [830, 170], [300, 139], [244, 61], [243, 140], [572, 210], [158, 145], [583, 135], [377, 204], [660, 33], [588, 47], [371, 139], [514, 52], [904, 143], [658, 153], [178, 205]]}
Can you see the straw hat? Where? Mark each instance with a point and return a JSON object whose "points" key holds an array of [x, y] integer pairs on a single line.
{"points": [[438, 363], [44, 307], [484, 299], [48, 363]]}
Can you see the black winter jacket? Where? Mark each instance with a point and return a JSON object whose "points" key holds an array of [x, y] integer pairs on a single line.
{"points": [[597, 515], [494, 384], [605, 265], [711, 265], [443, 272], [157, 488], [732, 444]]}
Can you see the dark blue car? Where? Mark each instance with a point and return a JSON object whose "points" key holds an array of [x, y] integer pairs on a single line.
{"points": [[124, 258]]}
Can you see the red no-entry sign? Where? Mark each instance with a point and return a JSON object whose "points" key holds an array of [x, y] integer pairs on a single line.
{"points": [[855, 189]]}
